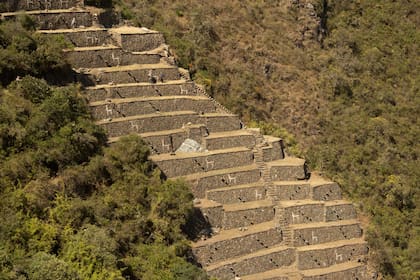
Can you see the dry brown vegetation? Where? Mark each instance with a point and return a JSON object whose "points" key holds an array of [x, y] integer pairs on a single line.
{"points": [[246, 53]]}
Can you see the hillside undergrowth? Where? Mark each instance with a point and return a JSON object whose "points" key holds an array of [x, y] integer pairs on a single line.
{"points": [[71, 206]]}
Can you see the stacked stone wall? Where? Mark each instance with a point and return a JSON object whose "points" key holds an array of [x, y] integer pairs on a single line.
{"points": [[230, 142], [156, 122], [103, 92], [347, 273], [237, 246], [302, 214], [58, 20], [30, 5], [331, 256], [210, 182], [162, 143], [287, 173], [254, 264], [214, 215], [230, 195], [179, 166], [103, 76], [326, 192], [108, 57], [87, 37], [324, 234], [139, 42], [340, 212], [248, 217], [221, 122], [273, 152], [290, 191], [150, 106]]}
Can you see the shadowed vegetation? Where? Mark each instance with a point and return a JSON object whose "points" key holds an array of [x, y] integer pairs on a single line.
{"points": [[71, 206]]}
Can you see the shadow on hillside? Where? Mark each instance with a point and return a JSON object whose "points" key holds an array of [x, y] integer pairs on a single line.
{"points": [[197, 226], [61, 76]]}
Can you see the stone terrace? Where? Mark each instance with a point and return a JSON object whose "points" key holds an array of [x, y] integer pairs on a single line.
{"points": [[266, 217]]}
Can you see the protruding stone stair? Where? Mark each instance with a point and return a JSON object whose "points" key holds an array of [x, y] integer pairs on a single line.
{"points": [[30, 5], [108, 56], [266, 216], [157, 104], [82, 37], [56, 19], [273, 257], [130, 90], [237, 242]]}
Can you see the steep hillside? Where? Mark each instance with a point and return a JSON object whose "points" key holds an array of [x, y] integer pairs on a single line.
{"points": [[245, 52], [342, 77]]}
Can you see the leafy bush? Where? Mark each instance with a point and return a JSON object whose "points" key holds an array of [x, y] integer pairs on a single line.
{"points": [[23, 52], [76, 208]]}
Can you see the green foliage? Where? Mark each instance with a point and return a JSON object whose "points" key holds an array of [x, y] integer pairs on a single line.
{"points": [[48, 267], [369, 139], [171, 204], [93, 253], [157, 262], [75, 208], [23, 52], [277, 131]]}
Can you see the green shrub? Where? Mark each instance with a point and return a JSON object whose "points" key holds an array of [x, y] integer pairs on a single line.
{"points": [[23, 52]]}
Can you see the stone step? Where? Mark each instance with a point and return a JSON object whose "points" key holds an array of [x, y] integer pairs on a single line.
{"points": [[56, 19], [287, 169], [125, 107], [107, 56], [230, 139], [305, 189], [338, 210], [218, 122], [82, 37], [323, 189], [135, 73], [310, 211], [273, 150], [167, 88], [345, 271], [162, 121], [246, 214], [262, 260], [329, 254], [167, 141], [184, 163], [206, 181], [239, 193], [148, 123], [303, 211], [137, 38], [31, 5], [236, 242], [290, 190], [288, 273], [317, 233], [211, 211]]}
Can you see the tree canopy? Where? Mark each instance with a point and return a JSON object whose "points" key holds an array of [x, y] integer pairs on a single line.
{"points": [[71, 206]]}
